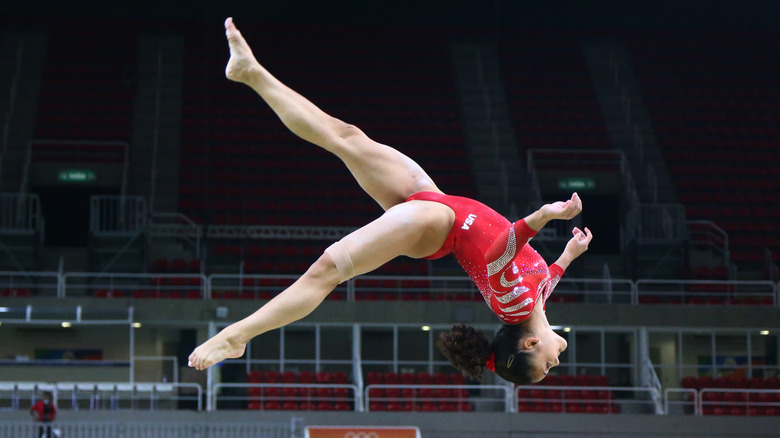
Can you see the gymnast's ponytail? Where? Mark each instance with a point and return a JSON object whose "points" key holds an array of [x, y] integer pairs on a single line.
{"points": [[466, 348], [469, 350]]}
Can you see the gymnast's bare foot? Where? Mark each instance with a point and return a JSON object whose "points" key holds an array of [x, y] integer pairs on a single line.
{"points": [[215, 350], [242, 62]]}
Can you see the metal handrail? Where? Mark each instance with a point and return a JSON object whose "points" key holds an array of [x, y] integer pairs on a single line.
{"points": [[507, 398], [719, 288], [668, 403], [651, 381], [743, 403], [561, 390], [154, 389], [215, 391], [63, 284], [130, 281], [714, 236], [124, 216], [188, 230], [191, 427]]}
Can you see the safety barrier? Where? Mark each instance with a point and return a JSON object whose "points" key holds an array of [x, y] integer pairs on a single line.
{"points": [[418, 288], [586, 399], [263, 287], [104, 395], [102, 285], [433, 398], [20, 214], [707, 292], [287, 396], [146, 429], [425, 398], [739, 401], [117, 215], [681, 401], [20, 395], [607, 290], [29, 284], [722, 401], [370, 287]]}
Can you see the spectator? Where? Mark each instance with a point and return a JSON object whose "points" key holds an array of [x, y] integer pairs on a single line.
{"points": [[44, 411]]}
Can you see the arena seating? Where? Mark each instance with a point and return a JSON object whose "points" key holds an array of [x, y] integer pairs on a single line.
{"points": [[552, 100], [87, 86], [716, 117], [738, 396], [13, 292], [317, 398], [590, 399], [426, 398]]}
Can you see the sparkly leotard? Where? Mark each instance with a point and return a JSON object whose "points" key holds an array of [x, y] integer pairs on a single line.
{"points": [[495, 253]]}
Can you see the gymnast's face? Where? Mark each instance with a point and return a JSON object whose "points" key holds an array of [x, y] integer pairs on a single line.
{"points": [[546, 347]]}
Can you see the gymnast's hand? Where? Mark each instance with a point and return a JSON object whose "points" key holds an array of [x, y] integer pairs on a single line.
{"points": [[579, 243], [563, 210]]}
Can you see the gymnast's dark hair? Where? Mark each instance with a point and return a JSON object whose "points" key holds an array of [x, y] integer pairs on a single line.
{"points": [[468, 350]]}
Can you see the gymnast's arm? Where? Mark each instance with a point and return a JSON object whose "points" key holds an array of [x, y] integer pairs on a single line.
{"points": [[576, 246], [557, 210], [526, 228]]}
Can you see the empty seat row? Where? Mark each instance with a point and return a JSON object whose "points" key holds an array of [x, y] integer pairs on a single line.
{"points": [[715, 125], [732, 382], [391, 378], [573, 408], [272, 376], [427, 406], [290, 405]]}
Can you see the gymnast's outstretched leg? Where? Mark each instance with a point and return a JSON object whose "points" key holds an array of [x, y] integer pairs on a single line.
{"points": [[386, 174]]}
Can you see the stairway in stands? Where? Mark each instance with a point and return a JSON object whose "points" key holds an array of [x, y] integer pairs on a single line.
{"points": [[502, 182], [154, 157], [21, 65], [554, 107], [715, 108]]}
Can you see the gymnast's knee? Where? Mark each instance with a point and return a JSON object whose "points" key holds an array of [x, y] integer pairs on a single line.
{"points": [[342, 261]]}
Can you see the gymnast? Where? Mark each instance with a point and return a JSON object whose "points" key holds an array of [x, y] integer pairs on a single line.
{"points": [[419, 221]]}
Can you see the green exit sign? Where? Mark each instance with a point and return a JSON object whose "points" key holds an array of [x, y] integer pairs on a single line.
{"points": [[76, 175], [576, 184]]}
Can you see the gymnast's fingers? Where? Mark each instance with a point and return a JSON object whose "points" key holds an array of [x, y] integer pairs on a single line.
{"points": [[588, 234]]}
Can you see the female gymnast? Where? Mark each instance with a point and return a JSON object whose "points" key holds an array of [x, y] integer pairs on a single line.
{"points": [[419, 221]]}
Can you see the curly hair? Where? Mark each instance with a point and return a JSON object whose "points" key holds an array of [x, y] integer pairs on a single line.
{"points": [[466, 348]]}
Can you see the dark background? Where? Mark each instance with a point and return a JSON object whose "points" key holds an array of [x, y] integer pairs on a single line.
{"points": [[496, 14]]}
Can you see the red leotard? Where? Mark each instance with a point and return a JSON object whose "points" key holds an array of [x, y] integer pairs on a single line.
{"points": [[495, 253]]}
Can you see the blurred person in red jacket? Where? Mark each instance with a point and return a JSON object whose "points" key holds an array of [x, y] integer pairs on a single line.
{"points": [[44, 411]]}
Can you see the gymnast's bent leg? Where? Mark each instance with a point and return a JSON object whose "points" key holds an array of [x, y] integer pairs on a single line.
{"points": [[405, 229]]}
